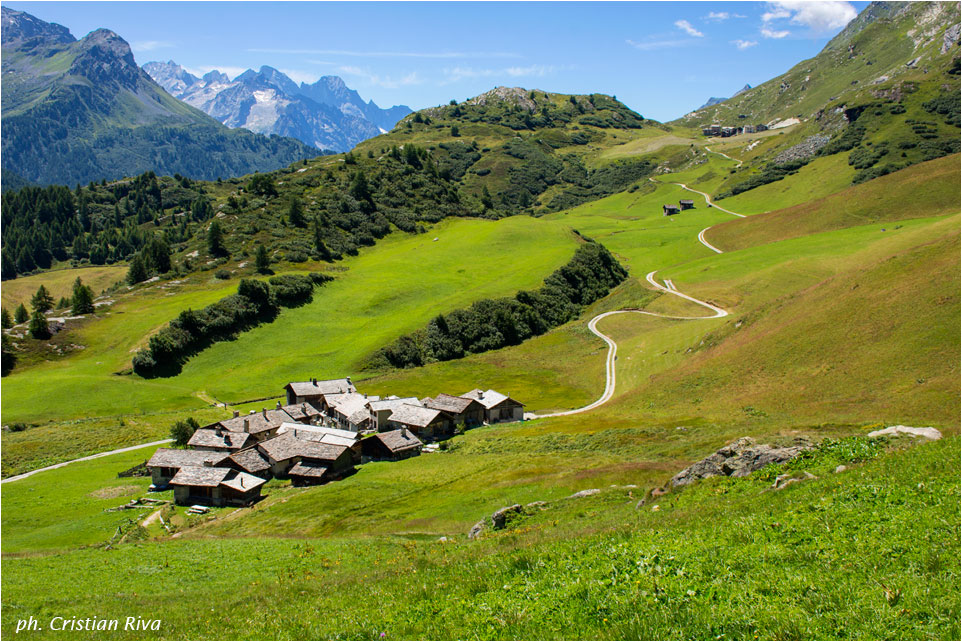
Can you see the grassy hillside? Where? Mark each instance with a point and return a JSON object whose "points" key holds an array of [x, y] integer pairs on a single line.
{"points": [[869, 552]]}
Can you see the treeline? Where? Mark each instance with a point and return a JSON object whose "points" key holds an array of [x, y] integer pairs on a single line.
{"points": [[98, 224], [256, 302], [494, 323]]}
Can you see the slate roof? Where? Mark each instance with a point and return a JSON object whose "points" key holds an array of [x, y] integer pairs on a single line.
{"points": [[488, 398], [257, 422], [243, 482], [307, 469], [327, 387], [396, 442], [287, 446], [391, 404], [449, 403], [211, 438], [414, 415], [176, 458], [301, 411], [320, 434], [251, 460], [200, 476]]}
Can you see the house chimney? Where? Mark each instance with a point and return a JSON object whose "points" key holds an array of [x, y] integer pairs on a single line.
{"points": [[218, 430], [278, 405], [314, 381], [252, 412], [236, 414], [264, 412], [404, 432], [480, 395], [247, 425]]}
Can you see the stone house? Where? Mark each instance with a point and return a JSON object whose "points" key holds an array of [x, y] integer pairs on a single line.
{"points": [[393, 445], [166, 462], [461, 409], [670, 210], [286, 451], [219, 439], [215, 486], [426, 423], [497, 407], [313, 391], [381, 410]]}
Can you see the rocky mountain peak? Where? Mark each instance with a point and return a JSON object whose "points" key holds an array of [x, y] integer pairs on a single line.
{"points": [[105, 58], [21, 30], [511, 95]]}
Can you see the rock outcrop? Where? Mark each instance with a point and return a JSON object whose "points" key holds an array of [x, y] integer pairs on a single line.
{"points": [[738, 459], [927, 433], [500, 517]]}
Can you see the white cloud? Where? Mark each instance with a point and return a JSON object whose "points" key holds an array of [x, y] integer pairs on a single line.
{"points": [[455, 74], [387, 82], [390, 54], [150, 45], [685, 26], [649, 45], [718, 15], [819, 15], [771, 33], [742, 45]]}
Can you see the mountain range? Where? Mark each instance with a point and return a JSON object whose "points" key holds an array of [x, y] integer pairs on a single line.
{"points": [[715, 100], [326, 114], [81, 110]]}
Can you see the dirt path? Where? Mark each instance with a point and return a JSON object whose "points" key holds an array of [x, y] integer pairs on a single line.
{"points": [[88, 458], [667, 288]]}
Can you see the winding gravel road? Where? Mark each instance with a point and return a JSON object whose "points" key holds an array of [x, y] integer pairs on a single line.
{"points": [[668, 288]]}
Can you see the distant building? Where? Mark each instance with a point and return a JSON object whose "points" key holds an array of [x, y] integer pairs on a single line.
{"points": [[761, 128], [687, 204], [215, 486], [749, 129], [381, 410], [461, 409], [426, 423], [313, 391], [393, 445], [286, 451], [166, 462], [497, 406], [250, 460], [670, 209], [219, 439], [260, 425]]}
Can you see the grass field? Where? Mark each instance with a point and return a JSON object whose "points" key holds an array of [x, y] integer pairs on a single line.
{"points": [[867, 553], [59, 283]]}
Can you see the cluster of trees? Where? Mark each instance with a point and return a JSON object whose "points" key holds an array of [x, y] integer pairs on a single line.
{"points": [[99, 223], [494, 323], [256, 302]]}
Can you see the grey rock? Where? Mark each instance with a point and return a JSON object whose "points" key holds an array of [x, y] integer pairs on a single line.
{"points": [[738, 459], [585, 493], [641, 503], [784, 480], [927, 433], [500, 516], [805, 149], [950, 37], [841, 468], [476, 530], [538, 504]]}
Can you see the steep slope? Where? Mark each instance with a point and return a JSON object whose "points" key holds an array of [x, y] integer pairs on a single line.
{"points": [[881, 96], [326, 114], [76, 111]]}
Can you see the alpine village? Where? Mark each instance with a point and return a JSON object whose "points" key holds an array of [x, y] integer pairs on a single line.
{"points": [[447, 321]]}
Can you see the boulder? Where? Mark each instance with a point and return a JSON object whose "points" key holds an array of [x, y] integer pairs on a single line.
{"points": [[500, 516], [476, 530], [784, 480], [841, 468], [927, 433], [584, 493], [538, 504], [740, 458]]}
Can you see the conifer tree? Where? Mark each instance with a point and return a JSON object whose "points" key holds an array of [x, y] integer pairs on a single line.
{"points": [[215, 240], [83, 298], [6, 321], [42, 300], [20, 314], [262, 261], [137, 271], [38, 325], [295, 213]]}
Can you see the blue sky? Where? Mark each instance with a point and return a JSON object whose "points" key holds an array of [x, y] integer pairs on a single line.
{"points": [[662, 59]]}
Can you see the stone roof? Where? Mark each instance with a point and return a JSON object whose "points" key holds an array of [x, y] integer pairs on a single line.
{"points": [[258, 421], [320, 434], [418, 416], [398, 440], [301, 411], [450, 404], [243, 482], [212, 438], [307, 469], [326, 387], [200, 476], [287, 446], [489, 398], [391, 404], [251, 460], [176, 458]]}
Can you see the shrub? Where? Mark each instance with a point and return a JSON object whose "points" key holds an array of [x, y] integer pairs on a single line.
{"points": [[223, 275]]}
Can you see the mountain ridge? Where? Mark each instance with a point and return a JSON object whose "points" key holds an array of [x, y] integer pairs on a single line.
{"points": [[82, 110], [326, 114]]}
